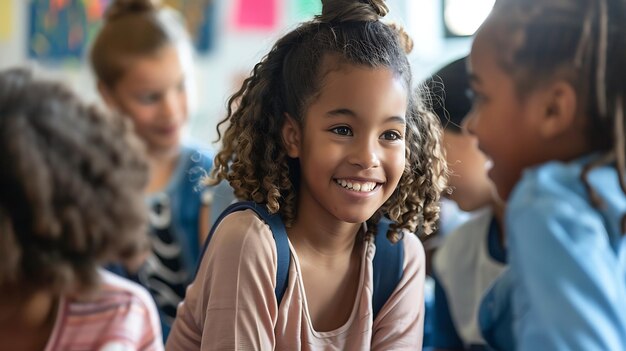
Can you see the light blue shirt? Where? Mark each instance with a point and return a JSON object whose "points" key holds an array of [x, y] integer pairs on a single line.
{"points": [[567, 259]]}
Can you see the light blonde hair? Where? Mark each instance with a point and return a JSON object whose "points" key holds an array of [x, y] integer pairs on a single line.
{"points": [[135, 29]]}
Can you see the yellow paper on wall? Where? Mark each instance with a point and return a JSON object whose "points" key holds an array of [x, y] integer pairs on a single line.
{"points": [[6, 19]]}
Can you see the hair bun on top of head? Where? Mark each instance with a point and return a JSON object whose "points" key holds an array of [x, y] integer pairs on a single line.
{"points": [[405, 40], [362, 10], [121, 8], [352, 10]]}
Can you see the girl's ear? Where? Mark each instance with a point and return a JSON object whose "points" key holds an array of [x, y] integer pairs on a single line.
{"points": [[559, 110], [107, 96], [291, 136]]}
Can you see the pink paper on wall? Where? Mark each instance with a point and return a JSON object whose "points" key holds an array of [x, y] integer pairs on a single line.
{"points": [[256, 14]]}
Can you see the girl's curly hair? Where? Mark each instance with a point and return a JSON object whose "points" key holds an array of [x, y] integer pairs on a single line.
{"points": [[70, 188], [287, 81]]}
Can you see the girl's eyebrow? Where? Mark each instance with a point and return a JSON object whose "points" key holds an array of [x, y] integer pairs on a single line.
{"points": [[341, 111], [396, 119], [350, 113]]}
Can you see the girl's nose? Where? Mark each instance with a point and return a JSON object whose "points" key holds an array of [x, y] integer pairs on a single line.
{"points": [[172, 106], [366, 154]]}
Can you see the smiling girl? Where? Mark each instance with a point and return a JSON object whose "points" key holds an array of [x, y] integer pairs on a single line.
{"points": [[327, 135]]}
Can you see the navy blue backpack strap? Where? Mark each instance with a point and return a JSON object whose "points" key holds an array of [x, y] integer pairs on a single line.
{"points": [[280, 237], [388, 266]]}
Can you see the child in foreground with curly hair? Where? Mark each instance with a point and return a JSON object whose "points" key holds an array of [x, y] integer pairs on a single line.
{"points": [[328, 136], [70, 199]]}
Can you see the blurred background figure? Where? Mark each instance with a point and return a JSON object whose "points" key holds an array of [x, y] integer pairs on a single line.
{"points": [[70, 200], [142, 59], [549, 113], [468, 250]]}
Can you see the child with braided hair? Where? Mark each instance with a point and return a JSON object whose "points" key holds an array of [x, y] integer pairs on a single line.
{"points": [[70, 200], [555, 70], [328, 136]]}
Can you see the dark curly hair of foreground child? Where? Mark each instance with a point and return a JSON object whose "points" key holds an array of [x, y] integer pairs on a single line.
{"points": [[71, 185]]}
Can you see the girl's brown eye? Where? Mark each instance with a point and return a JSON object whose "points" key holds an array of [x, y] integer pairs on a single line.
{"points": [[391, 135], [343, 130]]}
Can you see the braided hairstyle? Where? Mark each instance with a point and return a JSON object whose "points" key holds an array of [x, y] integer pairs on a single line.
{"points": [[582, 42], [70, 188], [135, 29], [287, 80]]}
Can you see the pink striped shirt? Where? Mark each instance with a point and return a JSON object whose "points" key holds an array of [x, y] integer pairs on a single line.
{"points": [[120, 315]]}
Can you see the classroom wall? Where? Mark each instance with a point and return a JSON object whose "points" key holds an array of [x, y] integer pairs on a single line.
{"points": [[234, 54]]}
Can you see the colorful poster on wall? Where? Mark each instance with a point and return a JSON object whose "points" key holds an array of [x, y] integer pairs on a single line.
{"points": [[6, 19], [304, 10], [201, 18], [59, 30], [256, 14]]}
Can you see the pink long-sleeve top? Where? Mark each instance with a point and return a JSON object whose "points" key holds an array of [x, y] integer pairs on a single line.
{"points": [[231, 305]]}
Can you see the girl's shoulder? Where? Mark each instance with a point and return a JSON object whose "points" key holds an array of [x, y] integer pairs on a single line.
{"points": [[89, 315], [114, 286], [411, 244], [550, 182], [414, 256], [243, 234], [562, 183], [120, 291], [556, 192]]}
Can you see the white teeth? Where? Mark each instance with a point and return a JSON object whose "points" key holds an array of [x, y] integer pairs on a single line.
{"points": [[360, 187]]}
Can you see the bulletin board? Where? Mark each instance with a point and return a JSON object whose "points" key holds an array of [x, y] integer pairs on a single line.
{"points": [[201, 19], [61, 30]]}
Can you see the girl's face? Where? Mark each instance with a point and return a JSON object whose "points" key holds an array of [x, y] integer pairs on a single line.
{"points": [[472, 188], [500, 120], [351, 148], [152, 93]]}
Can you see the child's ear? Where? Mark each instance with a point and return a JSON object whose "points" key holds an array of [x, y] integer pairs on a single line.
{"points": [[107, 95], [291, 136], [559, 110]]}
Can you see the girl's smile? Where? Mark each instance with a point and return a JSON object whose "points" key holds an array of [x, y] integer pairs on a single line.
{"points": [[351, 147], [358, 185]]}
